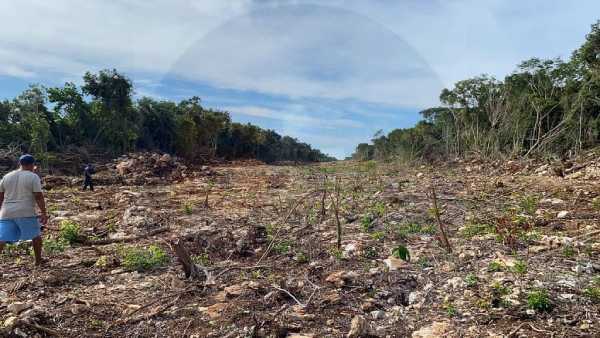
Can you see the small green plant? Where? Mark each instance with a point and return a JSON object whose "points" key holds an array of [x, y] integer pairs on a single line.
{"points": [[539, 300], [529, 204], [282, 247], [379, 209], [102, 262], [471, 280], [471, 230], [301, 257], [404, 230], [337, 254], [188, 208], [53, 246], [428, 230], [593, 291], [69, 231], [424, 262], [529, 236], [256, 274], [111, 227], [366, 222], [378, 235], [201, 259], [500, 290], [520, 267], [401, 252], [270, 230], [495, 266], [370, 252], [142, 259], [568, 251], [596, 203], [450, 309]]}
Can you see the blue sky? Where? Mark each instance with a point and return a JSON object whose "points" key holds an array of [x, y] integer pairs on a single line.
{"points": [[330, 73]]}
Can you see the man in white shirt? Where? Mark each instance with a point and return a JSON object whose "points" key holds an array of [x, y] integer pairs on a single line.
{"points": [[20, 191]]}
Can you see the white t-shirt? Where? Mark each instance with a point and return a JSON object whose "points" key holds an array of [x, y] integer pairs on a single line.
{"points": [[18, 187]]}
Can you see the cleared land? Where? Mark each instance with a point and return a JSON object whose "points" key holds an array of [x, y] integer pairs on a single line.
{"points": [[524, 261]]}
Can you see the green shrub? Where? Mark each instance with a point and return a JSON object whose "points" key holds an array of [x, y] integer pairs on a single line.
{"points": [[53, 246], [378, 235], [401, 252], [539, 300], [366, 223], [301, 257], [495, 266], [282, 247], [69, 231], [141, 259], [568, 251], [379, 209], [471, 280], [188, 208], [201, 259], [450, 309], [520, 267], [593, 293], [529, 204]]}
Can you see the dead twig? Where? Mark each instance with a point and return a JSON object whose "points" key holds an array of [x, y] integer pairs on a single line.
{"points": [[444, 238], [289, 294]]}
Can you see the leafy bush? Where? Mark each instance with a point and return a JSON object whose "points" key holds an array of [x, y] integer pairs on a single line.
{"points": [[142, 259], [69, 231], [539, 300]]}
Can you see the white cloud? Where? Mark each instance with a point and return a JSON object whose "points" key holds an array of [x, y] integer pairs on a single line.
{"points": [[15, 71], [295, 116]]}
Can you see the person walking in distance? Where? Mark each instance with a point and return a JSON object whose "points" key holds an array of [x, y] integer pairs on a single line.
{"points": [[20, 191], [88, 171]]}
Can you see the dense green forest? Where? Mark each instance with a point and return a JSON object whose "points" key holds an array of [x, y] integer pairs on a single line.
{"points": [[103, 117], [545, 107]]}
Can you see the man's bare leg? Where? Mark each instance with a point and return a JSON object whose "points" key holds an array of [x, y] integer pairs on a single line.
{"points": [[37, 250]]}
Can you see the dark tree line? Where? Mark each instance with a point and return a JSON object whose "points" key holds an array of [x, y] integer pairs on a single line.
{"points": [[545, 107], [101, 115]]}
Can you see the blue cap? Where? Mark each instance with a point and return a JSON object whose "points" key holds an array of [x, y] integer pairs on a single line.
{"points": [[26, 160]]}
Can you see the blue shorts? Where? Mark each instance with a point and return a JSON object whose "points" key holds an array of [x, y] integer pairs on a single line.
{"points": [[19, 229]]}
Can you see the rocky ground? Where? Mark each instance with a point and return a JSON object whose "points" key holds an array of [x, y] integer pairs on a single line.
{"points": [[524, 259]]}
